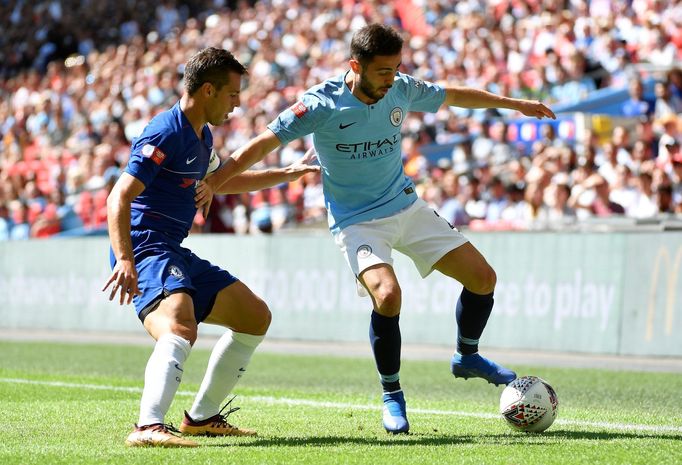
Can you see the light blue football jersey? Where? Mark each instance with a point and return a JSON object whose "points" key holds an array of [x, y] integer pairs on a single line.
{"points": [[359, 145]]}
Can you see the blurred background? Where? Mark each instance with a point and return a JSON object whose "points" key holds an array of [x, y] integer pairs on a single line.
{"points": [[80, 79], [594, 198]]}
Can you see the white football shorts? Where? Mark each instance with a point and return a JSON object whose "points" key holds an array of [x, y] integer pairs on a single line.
{"points": [[417, 231]]}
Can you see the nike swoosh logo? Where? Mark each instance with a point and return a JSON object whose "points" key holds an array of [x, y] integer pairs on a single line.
{"points": [[344, 126], [190, 160], [178, 367]]}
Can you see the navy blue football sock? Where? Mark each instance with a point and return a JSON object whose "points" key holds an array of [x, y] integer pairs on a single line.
{"points": [[384, 335], [473, 311]]}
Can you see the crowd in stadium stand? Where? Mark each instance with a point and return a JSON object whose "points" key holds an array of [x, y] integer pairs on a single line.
{"points": [[79, 80]]}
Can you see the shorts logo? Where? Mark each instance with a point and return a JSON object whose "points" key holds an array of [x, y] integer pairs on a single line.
{"points": [[449, 224], [175, 272], [299, 109], [396, 116], [153, 153], [364, 251]]}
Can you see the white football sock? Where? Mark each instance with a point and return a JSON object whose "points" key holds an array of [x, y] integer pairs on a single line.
{"points": [[227, 364], [162, 377]]}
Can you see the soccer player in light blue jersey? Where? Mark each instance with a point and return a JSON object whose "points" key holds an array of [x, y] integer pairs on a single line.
{"points": [[355, 119], [150, 211]]}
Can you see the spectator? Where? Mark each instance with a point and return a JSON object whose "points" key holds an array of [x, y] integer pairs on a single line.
{"points": [[452, 208], [5, 223], [623, 191], [644, 202], [314, 209], [514, 212], [637, 105], [670, 125], [497, 200], [559, 214], [664, 199], [591, 198], [665, 104], [57, 108], [415, 164], [674, 83], [21, 229], [535, 213], [261, 221], [676, 179]]}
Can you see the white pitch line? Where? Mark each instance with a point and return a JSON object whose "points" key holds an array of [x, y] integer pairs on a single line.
{"points": [[340, 405]]}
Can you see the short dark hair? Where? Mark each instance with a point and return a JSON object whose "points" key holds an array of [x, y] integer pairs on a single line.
{"points": [[210, 65], [375, 39]]}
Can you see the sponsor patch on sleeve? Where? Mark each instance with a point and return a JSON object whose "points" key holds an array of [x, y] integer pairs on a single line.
{"points": [[213, 162], [299, 109], [153, 153]]}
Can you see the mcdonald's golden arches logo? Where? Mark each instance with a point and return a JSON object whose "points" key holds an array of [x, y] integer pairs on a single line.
{"points": [[671, 268]]}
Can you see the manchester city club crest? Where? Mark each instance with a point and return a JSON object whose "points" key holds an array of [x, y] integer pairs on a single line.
{"points": [[396, 116]]}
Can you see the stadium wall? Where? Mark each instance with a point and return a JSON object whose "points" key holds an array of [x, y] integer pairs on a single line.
{"points": [[615, 293]]}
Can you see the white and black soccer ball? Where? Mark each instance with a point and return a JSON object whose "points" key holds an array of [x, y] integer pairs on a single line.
{"points": [[529, 404]]}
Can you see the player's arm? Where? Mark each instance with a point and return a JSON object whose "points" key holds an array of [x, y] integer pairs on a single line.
{"points": [[253, 180], [124, 276], [254, 151], [467, 97]]}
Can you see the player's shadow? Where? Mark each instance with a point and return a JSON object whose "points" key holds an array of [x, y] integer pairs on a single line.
{"points": [[439, 439], [334, 441], [569, 435]]}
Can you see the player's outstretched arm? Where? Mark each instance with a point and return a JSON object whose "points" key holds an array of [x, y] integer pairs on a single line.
{"points": [[254, 151], [467, 97], [123, 278], [253, 180]]}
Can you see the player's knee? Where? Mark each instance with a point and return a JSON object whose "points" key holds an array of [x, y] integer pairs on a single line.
{"points": [[262, 318], [388, 298], [256, 320], [486, 281], [186, 329]]}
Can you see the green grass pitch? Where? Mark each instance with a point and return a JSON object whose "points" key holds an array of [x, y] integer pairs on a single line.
{"points": [[75, 403]]}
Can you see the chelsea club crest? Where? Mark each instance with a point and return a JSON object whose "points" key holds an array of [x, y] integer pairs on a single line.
{"points": [[175, 272]]}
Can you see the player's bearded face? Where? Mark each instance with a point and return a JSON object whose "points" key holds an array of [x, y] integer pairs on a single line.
{"points": [[371, 89], [376, 77]]}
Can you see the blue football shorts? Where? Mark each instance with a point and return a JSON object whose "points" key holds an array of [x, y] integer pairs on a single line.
{"points": [[164, 267]]}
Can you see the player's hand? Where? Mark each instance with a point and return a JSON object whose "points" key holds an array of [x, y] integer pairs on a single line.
{"points": [[308, 158], [308, 163], [123, 280], [536, 109], [203, 196]]}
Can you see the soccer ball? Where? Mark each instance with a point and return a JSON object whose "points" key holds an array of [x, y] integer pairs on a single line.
{"points": [[529, 404]]}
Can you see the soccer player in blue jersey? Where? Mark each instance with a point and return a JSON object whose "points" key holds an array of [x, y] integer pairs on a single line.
{"points": [[355, 119], [150, 211]]}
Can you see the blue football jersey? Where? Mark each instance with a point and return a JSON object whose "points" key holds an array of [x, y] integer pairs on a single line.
{"points": [[169, 159], [359, 145]]}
